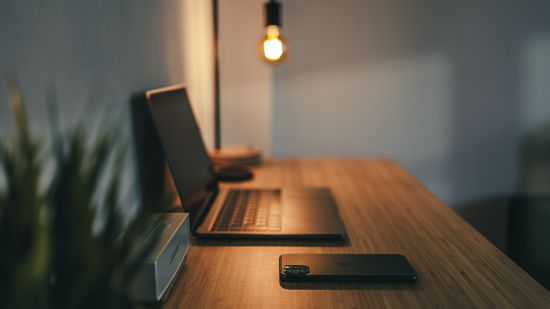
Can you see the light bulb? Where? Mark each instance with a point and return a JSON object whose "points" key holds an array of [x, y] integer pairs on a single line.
{"points": [[273, 47]]}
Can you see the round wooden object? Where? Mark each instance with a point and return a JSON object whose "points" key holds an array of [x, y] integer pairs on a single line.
{"points": [[236, 155]]}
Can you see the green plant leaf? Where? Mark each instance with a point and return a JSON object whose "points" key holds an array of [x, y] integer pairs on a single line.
{"points": [[51, 257]]}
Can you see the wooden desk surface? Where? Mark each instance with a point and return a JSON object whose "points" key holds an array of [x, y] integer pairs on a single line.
{"points": [[385, 209]]}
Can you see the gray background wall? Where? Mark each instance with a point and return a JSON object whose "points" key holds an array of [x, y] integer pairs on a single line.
{"points": [[449, 89], [92, 54], [95, 52]]}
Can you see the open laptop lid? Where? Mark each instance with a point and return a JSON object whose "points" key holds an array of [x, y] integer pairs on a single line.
{"points": [[179, 134]]}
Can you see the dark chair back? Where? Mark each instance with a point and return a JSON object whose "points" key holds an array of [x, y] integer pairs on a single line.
{"points": [[529, 235]]}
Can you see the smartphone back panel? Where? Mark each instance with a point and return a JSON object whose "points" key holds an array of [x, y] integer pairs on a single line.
{"points": [[346, 267]]}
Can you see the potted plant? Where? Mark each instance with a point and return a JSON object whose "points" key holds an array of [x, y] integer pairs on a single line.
{"points": [[51, 256]]}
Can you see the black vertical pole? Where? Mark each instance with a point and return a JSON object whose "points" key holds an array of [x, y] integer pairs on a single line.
{"points": [[217, 111]]}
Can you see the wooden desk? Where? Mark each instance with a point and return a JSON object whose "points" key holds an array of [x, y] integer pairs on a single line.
{"points": [[385, 209]]}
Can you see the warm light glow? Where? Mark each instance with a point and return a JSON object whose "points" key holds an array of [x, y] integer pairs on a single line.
{"points": [[273, 49], [273, 46]]}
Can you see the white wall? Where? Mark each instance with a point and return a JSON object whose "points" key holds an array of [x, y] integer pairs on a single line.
{"points": [[92, 54], [95, 53], [199, 66], [246, 81], [447, 88]]}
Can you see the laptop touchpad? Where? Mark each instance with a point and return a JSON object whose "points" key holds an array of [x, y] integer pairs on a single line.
{"points": [[309, 208]]}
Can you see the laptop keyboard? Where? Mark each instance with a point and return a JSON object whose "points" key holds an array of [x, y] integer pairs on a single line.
{"points": [[250, 210]]}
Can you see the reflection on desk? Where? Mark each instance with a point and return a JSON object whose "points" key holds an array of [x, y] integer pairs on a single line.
{"points": [[385, 210]]}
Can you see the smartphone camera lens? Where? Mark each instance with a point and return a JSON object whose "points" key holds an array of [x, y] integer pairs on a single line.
{"points": [[295, 270]]}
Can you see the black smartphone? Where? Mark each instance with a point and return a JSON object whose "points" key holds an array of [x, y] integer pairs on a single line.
{"points": [[346, 267]]}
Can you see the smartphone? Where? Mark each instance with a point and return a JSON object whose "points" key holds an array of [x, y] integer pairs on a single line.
{"points": [[346, 267]]}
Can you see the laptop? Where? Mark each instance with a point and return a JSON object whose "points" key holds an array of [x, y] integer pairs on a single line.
{"points": [[289, 213]]}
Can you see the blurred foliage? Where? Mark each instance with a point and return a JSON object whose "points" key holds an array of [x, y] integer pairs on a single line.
{"points": [[50, 256]]}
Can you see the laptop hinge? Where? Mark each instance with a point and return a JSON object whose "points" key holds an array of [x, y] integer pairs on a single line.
{"points": [[204, 208]]}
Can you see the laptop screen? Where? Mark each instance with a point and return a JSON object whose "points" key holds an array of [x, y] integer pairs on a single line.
{"points": [[180, 137]]}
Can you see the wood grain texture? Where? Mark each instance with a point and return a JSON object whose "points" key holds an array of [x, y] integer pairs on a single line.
{"points": [[385, 210]]}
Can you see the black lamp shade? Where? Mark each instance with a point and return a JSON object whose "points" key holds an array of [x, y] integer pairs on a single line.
{"points": [[273, 13]]}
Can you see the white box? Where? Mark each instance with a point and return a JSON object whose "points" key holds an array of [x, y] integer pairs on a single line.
{"points": [[159, 270]]}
